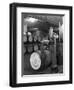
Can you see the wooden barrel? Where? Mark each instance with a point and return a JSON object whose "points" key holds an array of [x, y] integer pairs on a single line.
{"points": [[35, 38], [30, 38], [36, 47], [35, 61], [40, 60], [24, 49], [30, 48], [25, 38]]}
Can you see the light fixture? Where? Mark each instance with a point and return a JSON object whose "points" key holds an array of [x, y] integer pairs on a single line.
{"points": [[30, 19]]}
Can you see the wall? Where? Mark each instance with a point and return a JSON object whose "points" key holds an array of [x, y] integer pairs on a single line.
{"points": [[4, 43]]}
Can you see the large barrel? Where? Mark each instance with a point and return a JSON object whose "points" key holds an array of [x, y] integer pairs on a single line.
{"points": [[35, 61], [40, 60]]}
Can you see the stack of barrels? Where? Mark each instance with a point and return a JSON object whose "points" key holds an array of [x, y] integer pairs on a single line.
{"points": [[31, 43], [40, 58]]}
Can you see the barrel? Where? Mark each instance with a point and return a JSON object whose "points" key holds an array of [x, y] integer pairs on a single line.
{"points": [[30, 48], [24, 49], [35, 38], [25, 38], [39, 60], [35, 47], [30, 38]]}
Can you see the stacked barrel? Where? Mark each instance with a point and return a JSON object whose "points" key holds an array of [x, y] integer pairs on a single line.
{"points": [[31, 43]]}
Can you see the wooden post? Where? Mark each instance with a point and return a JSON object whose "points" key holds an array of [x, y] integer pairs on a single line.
{"points": [[54, 60], [51, 32]]}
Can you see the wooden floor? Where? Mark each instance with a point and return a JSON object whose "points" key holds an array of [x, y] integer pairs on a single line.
{"points": [[45, 71]]}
